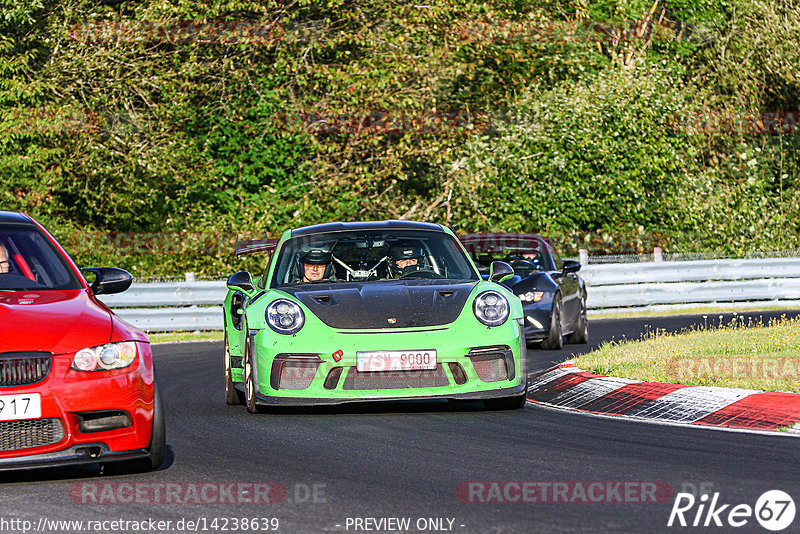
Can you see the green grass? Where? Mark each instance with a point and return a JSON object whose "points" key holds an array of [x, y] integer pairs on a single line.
{"points": [[752, 356], [172, 337], [694, 310]]}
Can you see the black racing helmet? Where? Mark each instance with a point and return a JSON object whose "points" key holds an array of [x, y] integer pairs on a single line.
{"points": [[405, 251], [315, 257]]}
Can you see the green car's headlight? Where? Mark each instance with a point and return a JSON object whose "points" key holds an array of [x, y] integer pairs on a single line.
{"points": [[105, 357], [491, 308], [285, 317]]}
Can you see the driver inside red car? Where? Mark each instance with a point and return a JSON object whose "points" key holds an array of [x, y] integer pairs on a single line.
{"points": [[5, 265]]}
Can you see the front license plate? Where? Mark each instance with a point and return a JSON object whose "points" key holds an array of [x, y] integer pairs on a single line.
{"points": [[13, 407], [396, 360]]}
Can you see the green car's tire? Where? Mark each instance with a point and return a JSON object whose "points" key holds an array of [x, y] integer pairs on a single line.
{"points": [[233, 396], [506, 403], [555, 339], [249, 381]]}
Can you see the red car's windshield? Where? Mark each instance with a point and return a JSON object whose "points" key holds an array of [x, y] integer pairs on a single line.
{"points": [[28, 262]]}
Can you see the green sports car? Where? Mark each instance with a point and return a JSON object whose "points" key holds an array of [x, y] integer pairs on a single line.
{"points": [[373, 311]]}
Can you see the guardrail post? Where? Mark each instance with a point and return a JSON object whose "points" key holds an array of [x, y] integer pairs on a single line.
{"points": [[190, 277], [657, 254], [584, 256]]}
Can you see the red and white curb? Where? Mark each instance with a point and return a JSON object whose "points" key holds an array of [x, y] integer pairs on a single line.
{"points": [[567, 386]]}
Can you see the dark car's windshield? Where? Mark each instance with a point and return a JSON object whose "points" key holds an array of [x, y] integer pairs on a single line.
{"points": [[368, 255], [28, 261], [524, 252]]}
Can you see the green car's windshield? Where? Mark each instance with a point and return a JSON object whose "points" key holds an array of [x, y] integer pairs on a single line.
{"points": [[371, 255]]}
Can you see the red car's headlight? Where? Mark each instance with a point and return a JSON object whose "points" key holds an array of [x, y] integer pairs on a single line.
{"points": [[105, 357]]}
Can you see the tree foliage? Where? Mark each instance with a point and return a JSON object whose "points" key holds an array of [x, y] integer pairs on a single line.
{"points": [[221, 117]]}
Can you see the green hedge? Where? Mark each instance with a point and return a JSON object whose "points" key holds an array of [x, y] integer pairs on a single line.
{"points": [[190, 119]]}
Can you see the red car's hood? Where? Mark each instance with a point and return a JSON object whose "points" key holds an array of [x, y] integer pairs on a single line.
{"points": [[53, 321]]}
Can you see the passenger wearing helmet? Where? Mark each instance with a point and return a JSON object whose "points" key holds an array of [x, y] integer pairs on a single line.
{"points": [[405, 258], [315, 265]]}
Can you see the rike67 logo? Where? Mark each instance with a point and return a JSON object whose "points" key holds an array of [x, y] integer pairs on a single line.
{"points": [[774, 510]]}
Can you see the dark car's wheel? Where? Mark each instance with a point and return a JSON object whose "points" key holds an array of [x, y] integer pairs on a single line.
{"points": [[555, 338], [249, 381], [233, 396], [581, 333]]}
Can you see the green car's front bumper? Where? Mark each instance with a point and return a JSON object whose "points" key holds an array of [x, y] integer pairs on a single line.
{"points": [[473, 362]]}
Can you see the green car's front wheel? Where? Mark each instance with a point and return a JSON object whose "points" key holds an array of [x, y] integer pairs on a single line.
{"points": [[249, 380], [505, 403]]}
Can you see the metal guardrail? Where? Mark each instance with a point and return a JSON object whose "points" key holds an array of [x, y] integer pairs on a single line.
{"points": [[692, 292], [655, 284], [690, 271], [173, 319], [169, 294], [173, 306], [176, 306]]}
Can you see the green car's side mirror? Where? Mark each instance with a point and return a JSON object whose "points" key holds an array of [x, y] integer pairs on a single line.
{"points": [[242, 281], [499, 271]]}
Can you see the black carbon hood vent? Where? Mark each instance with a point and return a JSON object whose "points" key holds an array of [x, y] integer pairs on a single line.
{"points": [[386, 304]]}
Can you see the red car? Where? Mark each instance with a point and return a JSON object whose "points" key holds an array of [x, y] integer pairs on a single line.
{"points": [[77, 383]]}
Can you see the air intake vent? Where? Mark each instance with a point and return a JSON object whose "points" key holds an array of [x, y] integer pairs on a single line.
{"points": [[29, 433], [294, 371], [20, 368], [494, 363], [356, 381]]}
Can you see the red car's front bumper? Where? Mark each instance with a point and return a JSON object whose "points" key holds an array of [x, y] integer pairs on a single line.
{"points": [[69, 396]]}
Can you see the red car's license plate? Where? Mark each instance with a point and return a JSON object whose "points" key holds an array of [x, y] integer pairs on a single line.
{"points": [[14, 407]]}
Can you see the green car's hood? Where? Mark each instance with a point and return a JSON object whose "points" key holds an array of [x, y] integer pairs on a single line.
{"points": [[384, 304]]}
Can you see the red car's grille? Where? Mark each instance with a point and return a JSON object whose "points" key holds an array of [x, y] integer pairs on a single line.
{"points": [[20, 368], [29, 433]]}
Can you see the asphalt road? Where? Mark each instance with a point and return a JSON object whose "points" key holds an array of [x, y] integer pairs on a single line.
{"points": [[427, 463]]}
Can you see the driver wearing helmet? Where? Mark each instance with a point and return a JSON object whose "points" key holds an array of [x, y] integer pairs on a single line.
{"points": [[405, 258], [315, 265], [531, 256]]}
